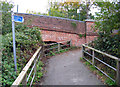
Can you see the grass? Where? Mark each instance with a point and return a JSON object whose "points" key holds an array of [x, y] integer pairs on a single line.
{"points": [[98, 73], [52, 53]]}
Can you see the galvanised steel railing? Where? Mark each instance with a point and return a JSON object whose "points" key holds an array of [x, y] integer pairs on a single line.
{"points": [[24, 76], [56, 46], [85, 49]]}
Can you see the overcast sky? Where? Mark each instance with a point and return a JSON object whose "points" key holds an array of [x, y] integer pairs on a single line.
{"points": [[32, 5]]}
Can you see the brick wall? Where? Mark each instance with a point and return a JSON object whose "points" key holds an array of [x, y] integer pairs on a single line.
{"points": [[61, 29], [61, 36], [54, 23]]}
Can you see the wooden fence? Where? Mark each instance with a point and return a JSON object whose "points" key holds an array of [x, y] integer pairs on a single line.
{"points": [[117, 60]]}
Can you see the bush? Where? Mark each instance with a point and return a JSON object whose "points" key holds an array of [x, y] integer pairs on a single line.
{"points": [[110, 45], [107, 21], [27, 42]]}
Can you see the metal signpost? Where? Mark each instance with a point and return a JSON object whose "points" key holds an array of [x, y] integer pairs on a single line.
{"points": [[15, 19]]}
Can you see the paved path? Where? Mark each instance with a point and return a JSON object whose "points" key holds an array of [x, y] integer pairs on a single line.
{"points": [[66, 69]]}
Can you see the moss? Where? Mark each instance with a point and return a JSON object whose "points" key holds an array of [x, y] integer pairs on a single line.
{"points": [[74, 24]]}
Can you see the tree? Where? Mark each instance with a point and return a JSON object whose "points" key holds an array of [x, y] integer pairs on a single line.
{"points": [[33, 12], [6, 17], [27, 41], [69, 10], [108, 21]]}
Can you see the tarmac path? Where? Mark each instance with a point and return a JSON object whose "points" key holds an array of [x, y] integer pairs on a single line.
{"points": [[66, 69]]}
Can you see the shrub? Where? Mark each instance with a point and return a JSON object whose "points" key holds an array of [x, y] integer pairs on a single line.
{"points": [[27, 41]]}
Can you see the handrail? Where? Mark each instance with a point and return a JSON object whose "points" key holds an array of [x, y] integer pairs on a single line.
{"points": [[117, 69], [113, 57], [58, 47], [23, 74], [23, 78], [57, 43]]}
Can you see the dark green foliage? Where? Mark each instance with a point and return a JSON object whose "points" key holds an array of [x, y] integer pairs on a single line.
{"points": [[6, 17], [69, 10], [109, 44], [27, 42], [108, 20]]}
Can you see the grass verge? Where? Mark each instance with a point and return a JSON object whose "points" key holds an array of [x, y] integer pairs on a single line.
{"points": [[99, 75]]}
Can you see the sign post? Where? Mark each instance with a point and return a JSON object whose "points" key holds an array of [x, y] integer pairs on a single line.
{"points": [[15, 19], [14, 46], [78, 11]]}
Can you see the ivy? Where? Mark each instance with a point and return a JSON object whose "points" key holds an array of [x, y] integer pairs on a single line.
{"points": [[27, 42]]}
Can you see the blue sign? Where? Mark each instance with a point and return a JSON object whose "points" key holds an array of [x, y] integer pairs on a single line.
{"points": [[18, 18]]}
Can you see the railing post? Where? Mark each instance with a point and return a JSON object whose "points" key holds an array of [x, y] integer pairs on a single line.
{"points": [[43, 51], [24, 81], [58, 46], [93, 57], [35, 66], [70, 43], [118, 72], [83, 49]]}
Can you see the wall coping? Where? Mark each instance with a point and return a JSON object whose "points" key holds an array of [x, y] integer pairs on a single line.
{"points": [[90, 20], [51, 17]]}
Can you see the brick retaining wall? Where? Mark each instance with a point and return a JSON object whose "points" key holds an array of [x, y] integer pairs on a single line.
{"points": [[60, 29]]}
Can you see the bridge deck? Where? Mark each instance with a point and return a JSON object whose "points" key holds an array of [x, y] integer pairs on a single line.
{"points": [[66, 69]]}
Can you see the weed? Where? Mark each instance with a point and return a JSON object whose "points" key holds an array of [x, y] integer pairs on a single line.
{"points": [[87, 63], [80, 35], [107, 81], [74, 24], [40, 74], [110, 82], [53, 54], [92, 68], [101, 74], [81, 58]]}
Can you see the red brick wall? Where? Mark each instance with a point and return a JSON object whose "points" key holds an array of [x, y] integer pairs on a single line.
{"points": [[60, 29], [90, 28], [54, 23], [60, 36]]}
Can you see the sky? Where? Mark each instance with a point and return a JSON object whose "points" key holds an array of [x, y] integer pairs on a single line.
{"points": [[32, 5]]}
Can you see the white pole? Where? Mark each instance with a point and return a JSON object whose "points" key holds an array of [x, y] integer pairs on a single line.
{"points": [[14, 47]]}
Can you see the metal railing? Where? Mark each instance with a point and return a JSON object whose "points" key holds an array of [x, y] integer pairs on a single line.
{"points": [[56, 46], [23, 77], [92, 61]]}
